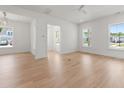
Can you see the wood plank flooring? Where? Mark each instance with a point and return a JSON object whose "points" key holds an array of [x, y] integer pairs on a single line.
{"points": [[74, 70]]}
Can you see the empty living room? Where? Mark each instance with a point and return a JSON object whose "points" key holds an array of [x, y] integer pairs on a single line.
{"points": [[62, 46]]}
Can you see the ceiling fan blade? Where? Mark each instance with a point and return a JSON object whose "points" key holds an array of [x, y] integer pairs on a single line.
{"points": [[84, 11], [80, 8], [47, 11], [4, 13]]}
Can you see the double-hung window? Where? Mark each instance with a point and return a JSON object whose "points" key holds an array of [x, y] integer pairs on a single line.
{"points": [[116, 35], [6, 37], [86, 37]]}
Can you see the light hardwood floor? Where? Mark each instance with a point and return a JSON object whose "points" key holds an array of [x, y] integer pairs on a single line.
{"points": [[70, 70]]}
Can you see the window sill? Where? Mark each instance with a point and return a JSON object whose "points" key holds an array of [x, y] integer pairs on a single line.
{"points": [[118, 49], [57, 43], [86, 47], [6, 46]]}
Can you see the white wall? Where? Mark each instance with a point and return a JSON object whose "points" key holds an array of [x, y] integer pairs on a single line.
{"points": [[100, 36], [68, 35], [50, 37], [33, 36], [39, 41], [21, 39]]}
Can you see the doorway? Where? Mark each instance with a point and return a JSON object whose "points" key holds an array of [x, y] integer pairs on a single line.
{"points": [[53, 38]]}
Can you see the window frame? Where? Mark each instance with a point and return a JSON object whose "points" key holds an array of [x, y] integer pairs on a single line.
{"points": [[2, 47], [89, 31], [109, 43]]}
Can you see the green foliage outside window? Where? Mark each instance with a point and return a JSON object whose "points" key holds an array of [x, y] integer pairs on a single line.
{"points": [[1, 29]]}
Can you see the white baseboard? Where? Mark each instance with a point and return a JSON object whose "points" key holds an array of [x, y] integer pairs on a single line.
{"points": [[103, 54], [66, 52]]}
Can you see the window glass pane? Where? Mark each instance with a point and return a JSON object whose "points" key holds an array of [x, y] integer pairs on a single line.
{"points": [[57, 35], [86, 39], [6, 36], [117, 36]]}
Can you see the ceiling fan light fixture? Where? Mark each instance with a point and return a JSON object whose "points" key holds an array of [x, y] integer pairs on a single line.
{"points": [[4, 20]]}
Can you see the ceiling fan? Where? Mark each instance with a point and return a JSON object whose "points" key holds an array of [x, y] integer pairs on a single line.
{"points": [[4, 20], [81, 9], [47, 11]]}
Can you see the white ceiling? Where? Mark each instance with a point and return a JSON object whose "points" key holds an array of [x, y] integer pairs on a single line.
{"points": [[71, 13], [15, 17]]}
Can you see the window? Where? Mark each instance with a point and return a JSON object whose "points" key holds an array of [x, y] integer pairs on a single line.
{"points": [[86, 37], [117, 35], [57, 35], [6, 36]]}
